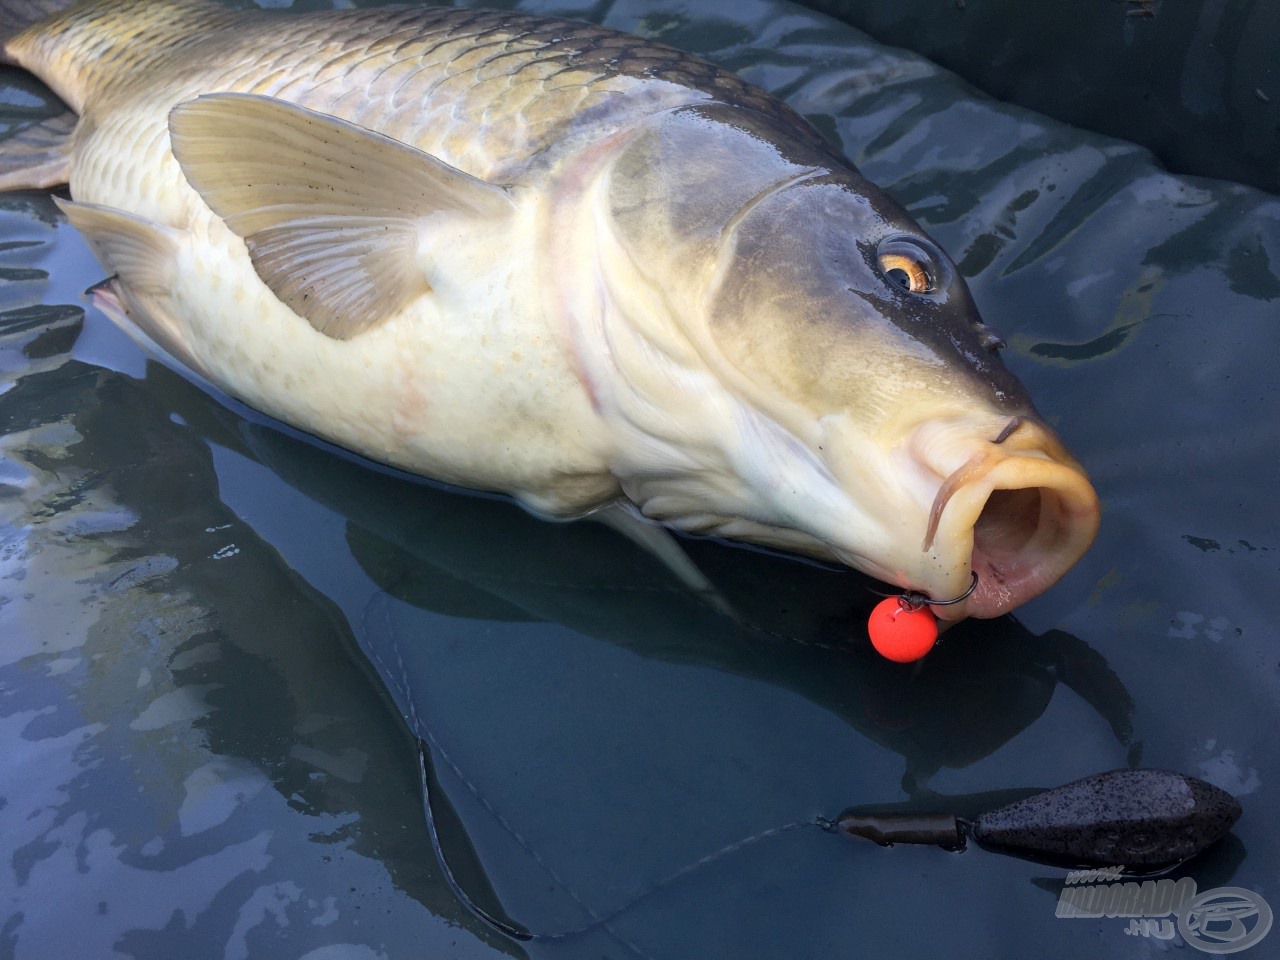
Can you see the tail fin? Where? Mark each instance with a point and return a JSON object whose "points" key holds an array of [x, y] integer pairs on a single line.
{"points": [[17, 15]]}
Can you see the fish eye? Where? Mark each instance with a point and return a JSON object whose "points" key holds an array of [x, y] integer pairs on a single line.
{"points": [[907, 266]]}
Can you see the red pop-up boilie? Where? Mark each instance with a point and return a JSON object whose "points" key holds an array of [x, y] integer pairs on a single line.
{"points": [[901, 632]]}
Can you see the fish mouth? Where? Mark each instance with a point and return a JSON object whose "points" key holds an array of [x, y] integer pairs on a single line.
{"points": [[1018, 514]]}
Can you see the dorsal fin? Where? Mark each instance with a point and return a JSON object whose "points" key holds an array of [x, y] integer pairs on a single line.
{"points": [[331, 212]]}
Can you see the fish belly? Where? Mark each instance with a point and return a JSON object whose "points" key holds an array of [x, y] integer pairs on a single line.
{"points": [[478, 395]]}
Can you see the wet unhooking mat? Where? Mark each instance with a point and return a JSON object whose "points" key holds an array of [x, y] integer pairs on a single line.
{"points": [[221, 645]]}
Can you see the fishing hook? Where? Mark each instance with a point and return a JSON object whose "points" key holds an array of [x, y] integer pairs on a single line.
{"points": [[914, 601]]}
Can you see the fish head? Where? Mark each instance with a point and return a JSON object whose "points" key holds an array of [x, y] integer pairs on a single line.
{"points": [[872, 419]]}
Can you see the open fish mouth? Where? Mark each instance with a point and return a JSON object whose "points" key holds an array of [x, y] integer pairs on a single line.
{"points": [[1020, 513]]}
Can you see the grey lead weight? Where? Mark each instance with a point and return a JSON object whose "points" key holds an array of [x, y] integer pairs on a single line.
{"points": [[1141, 820]]}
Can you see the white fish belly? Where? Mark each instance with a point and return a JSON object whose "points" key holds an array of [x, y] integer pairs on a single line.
{"points": [[480, 396]]}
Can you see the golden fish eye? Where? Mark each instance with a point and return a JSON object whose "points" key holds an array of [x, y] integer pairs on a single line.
{"points": [[906, 272]]}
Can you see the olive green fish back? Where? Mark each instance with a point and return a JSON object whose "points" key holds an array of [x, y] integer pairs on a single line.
{"points": [[406, 72]]}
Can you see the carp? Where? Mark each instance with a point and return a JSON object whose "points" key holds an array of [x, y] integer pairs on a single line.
{"points": [[552, 260]]}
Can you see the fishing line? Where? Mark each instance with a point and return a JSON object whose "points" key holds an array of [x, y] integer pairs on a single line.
{"points": [[520, 933], [426, 742], [378, 605]]}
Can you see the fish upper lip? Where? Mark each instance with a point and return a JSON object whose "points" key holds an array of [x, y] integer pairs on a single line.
{"points": [[1018, 514]]}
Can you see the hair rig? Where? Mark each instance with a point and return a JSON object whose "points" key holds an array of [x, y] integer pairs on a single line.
{"points": [[904, 629]]}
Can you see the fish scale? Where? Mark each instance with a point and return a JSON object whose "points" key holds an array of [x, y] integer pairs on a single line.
{"points": [[277, 56], [420, 75]]}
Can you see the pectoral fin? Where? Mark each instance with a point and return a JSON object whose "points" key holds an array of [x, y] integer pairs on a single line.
{"points": [[38, 157], [331, 212], [660, 542]]}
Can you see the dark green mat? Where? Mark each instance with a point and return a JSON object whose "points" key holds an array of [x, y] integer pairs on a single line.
{"points": [[201, 613], [1198, 83]]}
